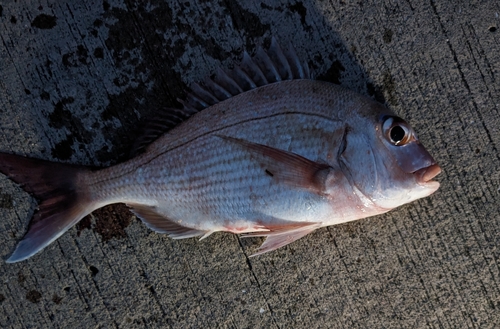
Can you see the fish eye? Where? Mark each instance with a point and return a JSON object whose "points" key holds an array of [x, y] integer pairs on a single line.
{"points": [[397, 131]]}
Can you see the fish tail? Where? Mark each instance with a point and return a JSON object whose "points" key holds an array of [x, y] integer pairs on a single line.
{"points": [[62, 201]]}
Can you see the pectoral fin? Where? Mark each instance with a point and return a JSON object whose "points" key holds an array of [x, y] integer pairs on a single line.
{"points": [[287, 167], [278, 238]]}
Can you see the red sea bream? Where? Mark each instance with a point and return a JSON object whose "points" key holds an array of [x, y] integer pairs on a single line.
{"points": [[268, 152]]}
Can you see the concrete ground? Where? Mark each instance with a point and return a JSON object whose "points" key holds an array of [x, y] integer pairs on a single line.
{"points": [[77, 77]]}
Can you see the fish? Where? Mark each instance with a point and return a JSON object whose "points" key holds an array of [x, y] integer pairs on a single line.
{"points": [[261, 150]]}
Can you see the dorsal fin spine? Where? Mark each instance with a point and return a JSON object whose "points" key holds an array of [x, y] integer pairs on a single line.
{"points": [[221, 77], [204, 94], [243, 78], [266, 66], [253, 70], [218, 91], [280, 61]]}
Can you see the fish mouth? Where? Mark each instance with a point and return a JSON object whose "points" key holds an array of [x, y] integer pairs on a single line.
{"points": [[425, 175]]}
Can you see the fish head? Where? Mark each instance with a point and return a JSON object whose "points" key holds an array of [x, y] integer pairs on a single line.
{"points": [[384, 160]]}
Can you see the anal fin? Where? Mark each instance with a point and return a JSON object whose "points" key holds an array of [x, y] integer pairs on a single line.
{"points": [[159, 223]]}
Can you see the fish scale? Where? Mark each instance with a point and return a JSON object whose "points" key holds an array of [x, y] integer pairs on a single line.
{"points": [[268, 152]]}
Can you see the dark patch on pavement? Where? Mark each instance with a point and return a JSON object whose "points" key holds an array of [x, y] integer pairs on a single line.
{"points": [[45, 96], [99, 53], [390, 88], [6, 201], [388, 35], [334, 73], [33, 296], [302, 11], [63, 118], [56, 299], [375, 92], [2, 298], [93, 270], [76, 58], [144, 60], [105, 5], [44, 22], [243, 20], [111, 221], [13, 19], [20, 277], [64, 149], [85, 223]]}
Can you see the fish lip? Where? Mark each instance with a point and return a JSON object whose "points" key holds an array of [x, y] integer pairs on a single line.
{"points": [[425, 175]]}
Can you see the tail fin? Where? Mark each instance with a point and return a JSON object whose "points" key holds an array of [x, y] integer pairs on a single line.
{"points": [[61, 202]]}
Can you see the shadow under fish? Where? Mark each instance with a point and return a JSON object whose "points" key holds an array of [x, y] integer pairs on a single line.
{"points": [[260, 150]]}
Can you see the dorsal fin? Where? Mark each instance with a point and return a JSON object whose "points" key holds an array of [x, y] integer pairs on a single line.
{"points": [[275, 64], [264, 68], [154, 127]]}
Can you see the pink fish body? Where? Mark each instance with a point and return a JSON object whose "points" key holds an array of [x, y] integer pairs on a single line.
{"points": [[277, 160]]}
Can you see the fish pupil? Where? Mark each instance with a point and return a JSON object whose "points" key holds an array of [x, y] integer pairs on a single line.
{"points": [[397, 134]]}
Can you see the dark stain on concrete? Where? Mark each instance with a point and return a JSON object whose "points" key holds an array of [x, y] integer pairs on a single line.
{"points": [[33, 296], [99, 53], [159, 86], [111, 222], [64, 149], [45, 96], [6, 201], [375, 92], [105, 5], [85, 223], [123, 137], [390, 88], [76, 58], [121, 81], [334, 73], [2, 298], [44, 22], [387, 37], [63, 118], [93, 270], [302, 12], [20, 277], [244, 20], [56, 299]]}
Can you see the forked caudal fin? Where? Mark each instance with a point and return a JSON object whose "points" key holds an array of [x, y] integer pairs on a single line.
{"points": [[61, 202]]}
